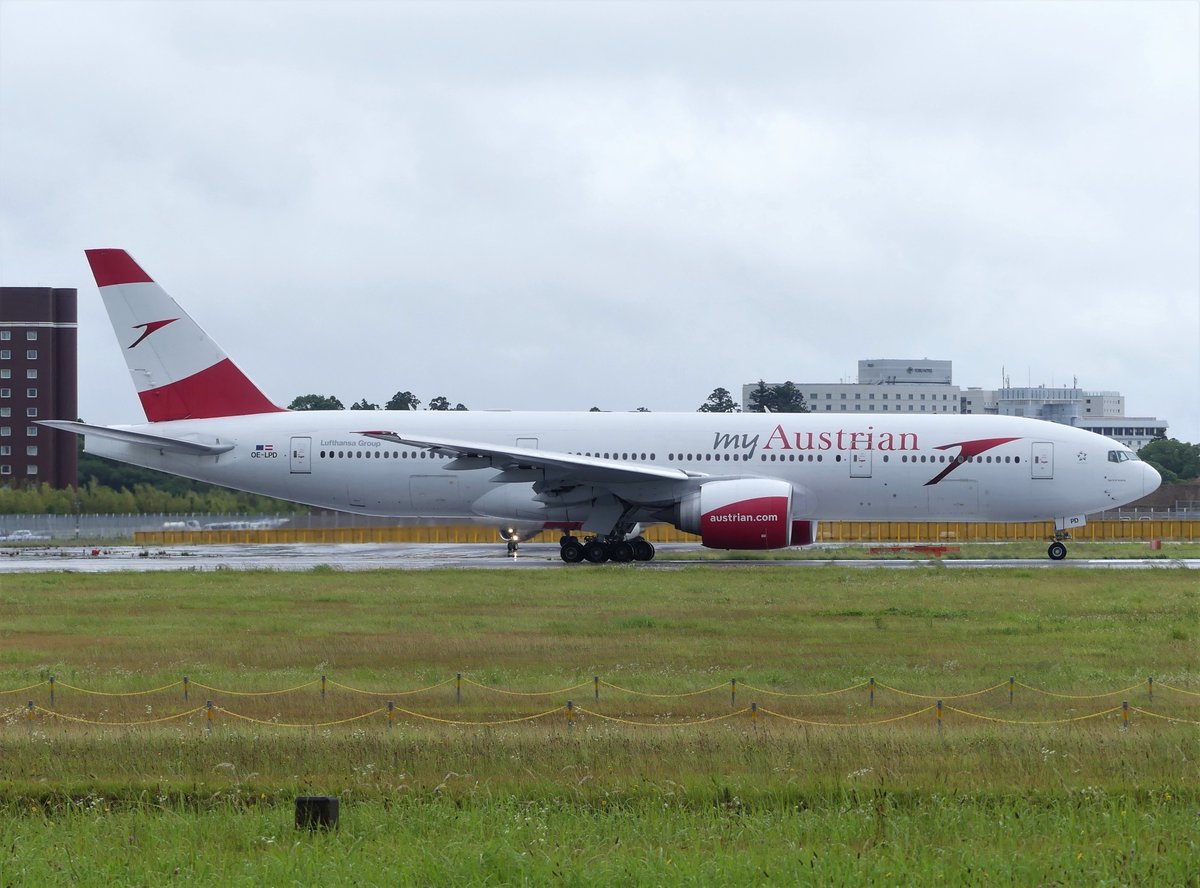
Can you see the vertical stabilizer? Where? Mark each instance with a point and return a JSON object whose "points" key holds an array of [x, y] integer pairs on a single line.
{"points": [[179, 372]]}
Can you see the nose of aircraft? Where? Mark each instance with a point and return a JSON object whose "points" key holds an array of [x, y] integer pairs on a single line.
{"points": [[1151, 480]]}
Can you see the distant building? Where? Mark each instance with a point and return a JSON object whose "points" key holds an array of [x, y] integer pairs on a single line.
{"points": [[893, 385], [1100, 412], [1134, 432], [885, 385], [38, 380]]}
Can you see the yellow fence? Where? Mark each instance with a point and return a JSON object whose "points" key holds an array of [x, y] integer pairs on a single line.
{"points": [[828, 532], [998, 698]]}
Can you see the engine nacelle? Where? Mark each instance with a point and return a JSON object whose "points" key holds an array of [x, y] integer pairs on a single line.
{"points": [[804, 533], [751, 513]]}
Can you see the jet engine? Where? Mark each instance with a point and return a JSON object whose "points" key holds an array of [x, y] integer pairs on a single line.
{"points": [[750, 513]]}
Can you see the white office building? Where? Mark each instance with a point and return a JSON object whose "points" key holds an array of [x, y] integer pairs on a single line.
{"points": [[890, 385], [884, 386]]}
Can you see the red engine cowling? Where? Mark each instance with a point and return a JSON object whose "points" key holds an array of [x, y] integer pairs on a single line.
{"points": [[804, 533], [752, 513]]}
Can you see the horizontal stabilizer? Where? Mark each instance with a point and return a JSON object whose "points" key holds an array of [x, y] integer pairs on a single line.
{"points": [[159, 442]]}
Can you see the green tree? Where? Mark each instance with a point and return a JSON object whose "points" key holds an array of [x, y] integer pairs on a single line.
{"points": [[720, 401], [460, 406], [364, 404], [440, 402], [782, 398], [1175, 460], [316, 402], [403, 401]]}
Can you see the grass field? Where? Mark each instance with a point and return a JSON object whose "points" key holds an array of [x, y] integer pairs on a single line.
{"points": [[782, 799]]}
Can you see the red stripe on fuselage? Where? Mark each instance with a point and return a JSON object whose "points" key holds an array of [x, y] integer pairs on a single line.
{"points": [[969, 449], [219, 390], [111, 267]]}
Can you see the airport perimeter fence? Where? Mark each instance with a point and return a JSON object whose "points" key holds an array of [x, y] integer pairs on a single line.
{"points": [[1113, 705], [338, 527]]}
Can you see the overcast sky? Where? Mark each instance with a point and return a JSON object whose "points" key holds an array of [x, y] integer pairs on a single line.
{"points": [[555, 206]]}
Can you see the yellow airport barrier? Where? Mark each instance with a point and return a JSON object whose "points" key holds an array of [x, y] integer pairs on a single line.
{"points": [[881, 532]]}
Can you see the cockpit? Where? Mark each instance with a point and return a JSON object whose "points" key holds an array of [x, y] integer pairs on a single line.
{"points": [[1120, 456]]}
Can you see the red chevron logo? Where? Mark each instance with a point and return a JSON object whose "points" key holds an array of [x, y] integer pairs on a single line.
{"points": [[967, 450], [149, 328]]}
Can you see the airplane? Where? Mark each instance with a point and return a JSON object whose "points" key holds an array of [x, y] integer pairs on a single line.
{"points": [[736, 480]]}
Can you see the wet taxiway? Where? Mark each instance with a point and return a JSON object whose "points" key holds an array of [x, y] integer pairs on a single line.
{"points": [[431, 556]]}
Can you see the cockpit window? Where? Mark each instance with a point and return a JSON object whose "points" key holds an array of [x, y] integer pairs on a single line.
{"points": [[1118, 456]]}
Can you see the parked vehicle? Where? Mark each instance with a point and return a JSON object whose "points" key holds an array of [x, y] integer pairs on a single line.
{"points": [[24, 536]]}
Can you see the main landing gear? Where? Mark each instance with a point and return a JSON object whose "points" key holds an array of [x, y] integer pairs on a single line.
{"points": [[597, 550]]}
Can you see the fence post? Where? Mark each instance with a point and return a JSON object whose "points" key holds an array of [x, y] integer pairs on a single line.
{"points": [[29, 716], [1012, 680], [185, 688], [208, 714], [391, 714], [732, 693], [596, 686], [52, 691], [458, 688], [1124, 715], [939, 716], [754, 715], [1149, 686], [872, 685], [570, 714], [322, 688]]}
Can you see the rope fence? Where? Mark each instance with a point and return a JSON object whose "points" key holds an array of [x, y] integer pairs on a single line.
{"points": [[572, 712]]}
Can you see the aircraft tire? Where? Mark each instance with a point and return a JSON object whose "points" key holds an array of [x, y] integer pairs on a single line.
{"points": [[571, 552], [568, 540], [621, 552], [595, 552], [642, 550], [1057, 551]]}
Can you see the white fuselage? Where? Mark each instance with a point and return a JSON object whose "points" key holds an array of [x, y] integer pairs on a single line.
{"points": [[859, 467]]}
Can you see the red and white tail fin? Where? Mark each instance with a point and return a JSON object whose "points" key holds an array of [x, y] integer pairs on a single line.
{"points": [[179, 372]]}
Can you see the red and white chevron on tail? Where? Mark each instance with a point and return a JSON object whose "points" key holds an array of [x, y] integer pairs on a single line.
{"points": [[179, 372]]}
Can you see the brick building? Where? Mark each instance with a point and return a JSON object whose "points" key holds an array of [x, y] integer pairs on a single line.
{"points": [[38, 380]]}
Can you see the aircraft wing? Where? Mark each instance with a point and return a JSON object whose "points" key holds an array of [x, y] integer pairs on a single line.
{"points": [[565, 466], [125, 436]]}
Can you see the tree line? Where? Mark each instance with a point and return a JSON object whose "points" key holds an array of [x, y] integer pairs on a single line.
{"points": [[781, 398], [398, 401]]}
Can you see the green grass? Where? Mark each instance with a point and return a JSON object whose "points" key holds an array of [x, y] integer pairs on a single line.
{"points": [[602, 802], [955, 551]]}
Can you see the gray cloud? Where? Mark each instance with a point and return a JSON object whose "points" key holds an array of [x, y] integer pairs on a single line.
{"points": [[560, 205]]}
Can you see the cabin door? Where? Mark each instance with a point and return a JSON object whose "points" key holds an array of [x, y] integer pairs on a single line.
{"points": [[1043, 459], [301, 456]]}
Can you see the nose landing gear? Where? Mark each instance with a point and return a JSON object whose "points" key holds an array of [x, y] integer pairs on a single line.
{"points": [[1058, 548]]}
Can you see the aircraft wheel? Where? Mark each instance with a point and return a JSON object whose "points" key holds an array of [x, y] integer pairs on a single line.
{"points": [[1057, 551], [571, 552], [595, 552], [621, 552], [568, 540], [642, 550]]}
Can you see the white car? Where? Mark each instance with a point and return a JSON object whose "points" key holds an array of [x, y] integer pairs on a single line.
{"points": [[24, 536]]}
